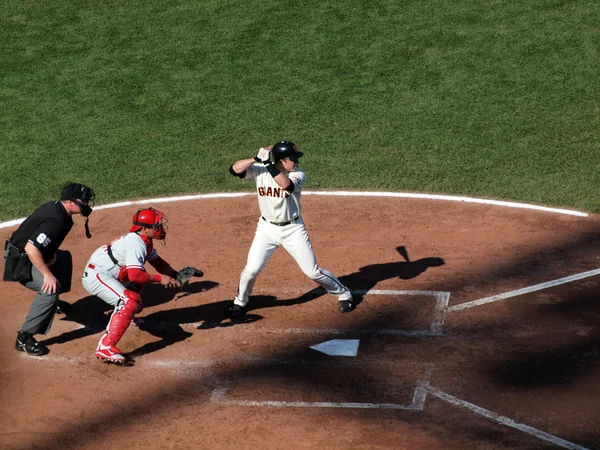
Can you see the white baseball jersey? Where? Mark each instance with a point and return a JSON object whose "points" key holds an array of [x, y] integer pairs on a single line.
{"points": [[129, 250], [101, 274], [275, 203]]}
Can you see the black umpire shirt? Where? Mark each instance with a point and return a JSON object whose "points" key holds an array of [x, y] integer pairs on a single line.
{"points": [[46, 228]]}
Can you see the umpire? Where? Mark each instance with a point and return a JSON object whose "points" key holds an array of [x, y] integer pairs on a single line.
{"points": [[33, 259]]}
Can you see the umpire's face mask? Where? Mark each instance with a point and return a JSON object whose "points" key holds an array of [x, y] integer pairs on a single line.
{"points": [[81, 195], [85, 200], [85, 209]]}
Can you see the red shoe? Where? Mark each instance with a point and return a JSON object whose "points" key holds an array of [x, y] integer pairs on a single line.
{"points": [[110, 353]]}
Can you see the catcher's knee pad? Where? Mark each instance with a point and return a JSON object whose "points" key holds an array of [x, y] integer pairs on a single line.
{"points": [[129, 305], [133, 301]]}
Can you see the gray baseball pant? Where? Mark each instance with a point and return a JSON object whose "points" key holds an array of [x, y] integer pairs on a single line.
{"points": [[42, 310]]}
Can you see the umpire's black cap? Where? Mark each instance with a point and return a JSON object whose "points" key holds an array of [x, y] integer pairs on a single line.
{"points": [[77, 191]]}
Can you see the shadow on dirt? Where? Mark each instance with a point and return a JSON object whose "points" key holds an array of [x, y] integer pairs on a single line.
{"points": [[503, 356], [367, 277], [574, 351], [166, 324], [94, 314], [549, 368]]}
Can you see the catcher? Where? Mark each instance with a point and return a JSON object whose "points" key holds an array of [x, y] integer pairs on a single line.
{"points": [[116, 273]]}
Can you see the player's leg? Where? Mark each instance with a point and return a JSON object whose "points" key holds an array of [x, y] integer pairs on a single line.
{"points": [[127, 303], [263, 246], [298, 245], [40, 317], [41, 313]]}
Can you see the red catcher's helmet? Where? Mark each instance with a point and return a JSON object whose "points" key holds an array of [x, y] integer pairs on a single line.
{"points": [[150, 218]]}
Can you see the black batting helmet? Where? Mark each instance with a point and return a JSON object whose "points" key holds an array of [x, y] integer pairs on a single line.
{"points": [[285, 149]]}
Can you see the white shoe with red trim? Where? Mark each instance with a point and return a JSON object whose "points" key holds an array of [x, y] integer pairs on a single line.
{"points": [[110, 353]]}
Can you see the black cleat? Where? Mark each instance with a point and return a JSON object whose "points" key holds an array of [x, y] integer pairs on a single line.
{"points": [[27, 343], [346, 305], [236, 311]]}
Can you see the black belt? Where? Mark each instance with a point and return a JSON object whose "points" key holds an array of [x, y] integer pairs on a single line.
{"points": [[281, 224]]}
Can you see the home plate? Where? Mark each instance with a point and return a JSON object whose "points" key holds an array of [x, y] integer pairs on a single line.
{"points": [[338, 347]]}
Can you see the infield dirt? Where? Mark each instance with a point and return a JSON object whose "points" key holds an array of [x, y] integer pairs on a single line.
{"points": [[202, 381]]}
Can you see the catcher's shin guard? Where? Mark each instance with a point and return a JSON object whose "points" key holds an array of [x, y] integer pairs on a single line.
{"points": [[121, 317]]}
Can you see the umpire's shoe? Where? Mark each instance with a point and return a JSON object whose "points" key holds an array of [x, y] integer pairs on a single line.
{"points": [[236, 311], [27, 343]]}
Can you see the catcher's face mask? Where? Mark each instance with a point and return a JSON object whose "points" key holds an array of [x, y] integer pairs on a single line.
{"points": [[151, 218]]}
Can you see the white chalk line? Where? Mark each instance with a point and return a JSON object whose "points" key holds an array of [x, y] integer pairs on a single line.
{"points": [[211, 362], [339, 332], [452, 198], [417, 404], [503, 420], [218, 396], [419, 396], [527, 290], [435, 329]]}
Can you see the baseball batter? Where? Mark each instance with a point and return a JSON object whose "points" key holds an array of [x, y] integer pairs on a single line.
{"points": [[279, 185], [116, 273]]}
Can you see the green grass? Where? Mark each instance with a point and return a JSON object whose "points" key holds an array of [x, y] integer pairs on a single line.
{"points": [[143, 99]]}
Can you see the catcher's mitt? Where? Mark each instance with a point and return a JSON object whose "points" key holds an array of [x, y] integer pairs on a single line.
{"points": [[184, 275]]}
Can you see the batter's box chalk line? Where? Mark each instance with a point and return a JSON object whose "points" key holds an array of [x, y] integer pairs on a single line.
{"points": [[503, 420], [526, 290], [421, 390], [219, 396], [435, 329]]}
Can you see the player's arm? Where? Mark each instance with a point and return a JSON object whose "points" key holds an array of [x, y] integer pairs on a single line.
{"points": [[134, 264], [140, 276], [50, 282], [239, 168], [280, 178], [162, 266], [264, 156]]}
